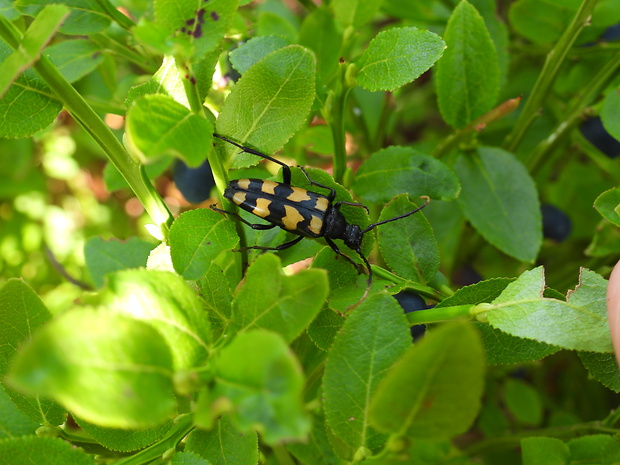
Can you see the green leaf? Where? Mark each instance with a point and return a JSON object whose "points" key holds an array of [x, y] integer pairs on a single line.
{"points": [[397, 57], [21, 313], [544, 451], [408, 244], [274, 24], [603, 368], [483, 291], [31, 46], [606, 241], [324, 328], [28, 105], [263, 381], [255, 50], [541, 22], [188, 458], [426, 13], [580, 323], [435, 388], [165, 301], [67, 359], [41, 450], [608, 205], [325, 45], [7, 10], [87, 16], [499, 198], [354, 13], [372, 339], [158, 125], [75, 58], [224, 444], [346, 285], [501, 348], [167, 81], [13, 422], [499, 34], [610, 113], [196, 238], [103, 257], [395, 170], [216, 296], [318, 450], [283, 304], [523, 401], [203, 24], [594, 448], [467, 77], [124, 440], [268, 104]]}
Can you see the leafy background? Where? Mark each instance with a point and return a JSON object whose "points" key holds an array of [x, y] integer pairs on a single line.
{"points": [[513, 133]]}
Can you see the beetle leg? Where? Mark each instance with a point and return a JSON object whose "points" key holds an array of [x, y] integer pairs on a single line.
{"points": [[335, 248], [286, 170], [286, 245], [332, 192], [353, 204], [259, 227]]}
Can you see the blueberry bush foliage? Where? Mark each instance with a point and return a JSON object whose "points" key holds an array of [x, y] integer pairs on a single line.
{"points": [[139, 328]]}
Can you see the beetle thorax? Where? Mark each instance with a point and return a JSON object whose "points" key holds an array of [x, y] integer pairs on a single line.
{"points": [[336, 227], [353, 237]]}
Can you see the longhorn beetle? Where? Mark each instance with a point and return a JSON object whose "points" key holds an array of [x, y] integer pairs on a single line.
{"points": [[299, 211]]}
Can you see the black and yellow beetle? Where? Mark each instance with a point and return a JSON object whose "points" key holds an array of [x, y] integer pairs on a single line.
{"points": [[299, 211]]}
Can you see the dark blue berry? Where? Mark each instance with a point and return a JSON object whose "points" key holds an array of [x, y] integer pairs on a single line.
{"points": [[194, 183], [411, 302], [556, 224], [611, 33], [593, 130], [466, 276]]}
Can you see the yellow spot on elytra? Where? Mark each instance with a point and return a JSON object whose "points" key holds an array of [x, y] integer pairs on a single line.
{"points": [[292, 218], [238, 198], [315, 225], [321, 204], [269, 187], [262, 207], [298, 195], [243, 184]]}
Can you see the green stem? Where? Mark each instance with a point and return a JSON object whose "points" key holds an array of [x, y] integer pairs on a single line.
{"points": [[315, 376], [612, 418], [600, 48], [337, 116], [282, 455], [421, 289], [452, 141], [588, 95], [514, 439], [184, 424], [116, 15], [479, 124], [130, 169], [552, 65], [125, 52], [435, 315]]}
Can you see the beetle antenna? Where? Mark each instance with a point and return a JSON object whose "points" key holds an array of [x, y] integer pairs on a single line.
{"points": [[373, 226]]}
